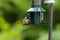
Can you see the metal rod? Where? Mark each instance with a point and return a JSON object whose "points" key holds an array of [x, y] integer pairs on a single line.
{"points": [[50, 21], [32, 2], [36, 2]]}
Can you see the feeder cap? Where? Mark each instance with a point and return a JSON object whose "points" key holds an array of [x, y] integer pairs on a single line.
{"points": [[49, 1], [36, 9]]}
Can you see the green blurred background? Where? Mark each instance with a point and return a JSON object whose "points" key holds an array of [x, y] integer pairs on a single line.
{"points": [[12, 13]]}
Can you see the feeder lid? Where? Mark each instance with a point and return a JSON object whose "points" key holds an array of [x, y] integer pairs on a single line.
{"points": [[48, 1], [36, 9]]}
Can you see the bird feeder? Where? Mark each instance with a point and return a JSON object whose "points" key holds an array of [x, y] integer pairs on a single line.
{"points": [[36, 12]]}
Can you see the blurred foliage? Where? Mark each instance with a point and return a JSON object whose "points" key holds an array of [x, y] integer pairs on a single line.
{"points": [[12, 13]]}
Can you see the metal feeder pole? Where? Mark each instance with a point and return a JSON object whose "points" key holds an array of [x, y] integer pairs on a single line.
{"points": [[50, 20]]}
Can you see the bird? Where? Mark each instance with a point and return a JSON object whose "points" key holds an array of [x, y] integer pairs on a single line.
{"points": [[26, 20]]}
